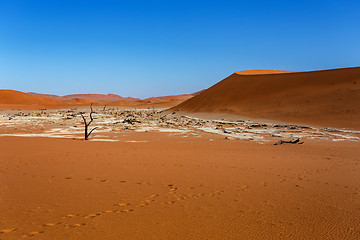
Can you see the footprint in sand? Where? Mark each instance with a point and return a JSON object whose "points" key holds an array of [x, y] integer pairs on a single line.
{"points": [[172, 188], [32, 234], [122, 204], [218, 192], [67, 178], [181, 198], [244, 187], [90, 216], [127, 210], [8, 230], [199, 195], [109, 211], [103, 180], [52, 224], [141, 205], [88, 178], [72, 215], [78, 225]]}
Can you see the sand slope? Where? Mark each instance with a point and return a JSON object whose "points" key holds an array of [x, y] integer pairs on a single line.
{"points": [[171, 97], [325, 98], [15, 98]]}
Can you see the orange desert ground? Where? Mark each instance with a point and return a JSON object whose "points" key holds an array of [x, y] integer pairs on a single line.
{"points": [[259, 155]]}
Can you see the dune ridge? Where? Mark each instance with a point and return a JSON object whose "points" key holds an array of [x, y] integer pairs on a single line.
{"points": [[172, 97], [10, 99], [260, 72], [324, 98], [16, 98], [98, 97]]}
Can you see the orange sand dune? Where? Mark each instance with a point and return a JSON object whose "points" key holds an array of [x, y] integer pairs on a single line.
{"points": [[81, 101], [171, 97], [260, 72], [19, 100], [143, 104], [325, 98], [11, 98], [45, 95], [99, 97]]}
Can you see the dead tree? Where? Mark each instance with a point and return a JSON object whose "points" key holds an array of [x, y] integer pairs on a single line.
{"points": [[87, 134], [104, 108]]}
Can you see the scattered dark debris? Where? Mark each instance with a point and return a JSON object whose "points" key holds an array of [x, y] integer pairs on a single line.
{"points": [[297, 141], [130, 121], [330, 130]]}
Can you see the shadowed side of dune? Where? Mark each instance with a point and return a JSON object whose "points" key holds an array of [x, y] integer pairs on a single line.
{"points": [[324, 98]]}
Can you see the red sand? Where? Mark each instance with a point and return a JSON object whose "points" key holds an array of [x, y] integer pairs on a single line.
{"points": [[98, 97], [171, 97], [165, 186], [260, 72], [176, 188], [10, 99], [324, 98]]}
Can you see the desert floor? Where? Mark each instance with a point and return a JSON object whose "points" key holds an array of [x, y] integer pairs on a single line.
{"points": [[163, 185]]}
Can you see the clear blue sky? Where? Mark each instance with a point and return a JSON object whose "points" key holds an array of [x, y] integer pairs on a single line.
{"points": [[151, 48]]}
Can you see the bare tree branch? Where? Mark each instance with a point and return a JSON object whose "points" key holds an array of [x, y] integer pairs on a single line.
{"points": [[92, 130], [83, 118], [91, 112], [86, 125]]}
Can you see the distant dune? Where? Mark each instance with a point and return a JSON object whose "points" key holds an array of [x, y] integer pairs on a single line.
{"points": [[13, 98], [98, 97], [10, 99], [324, 98], [171, 97]]}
